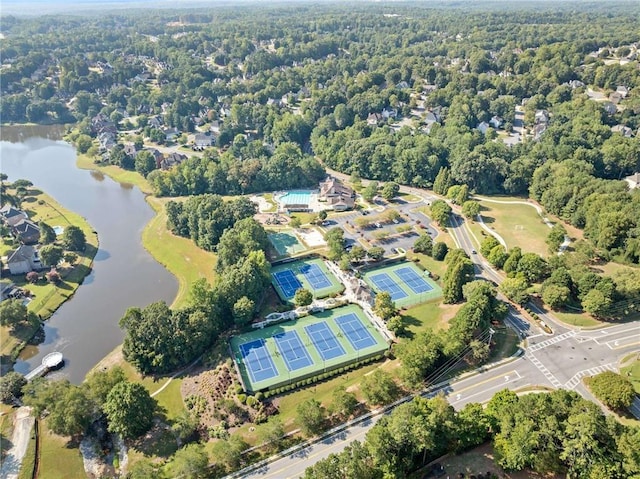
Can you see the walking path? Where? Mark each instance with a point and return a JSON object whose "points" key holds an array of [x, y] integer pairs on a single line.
{"points": [[23, 422]]}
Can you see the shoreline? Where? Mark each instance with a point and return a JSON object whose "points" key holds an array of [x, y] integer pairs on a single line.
{"points": [[54, 297]]}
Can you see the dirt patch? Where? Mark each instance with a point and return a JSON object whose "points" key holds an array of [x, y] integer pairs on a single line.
{"points": [[272, 219], [482, 460], [448, 312]]}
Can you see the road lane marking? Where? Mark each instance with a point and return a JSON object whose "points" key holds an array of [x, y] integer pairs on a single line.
{"points": [[551, 341], [543, 369], [575, 380]]}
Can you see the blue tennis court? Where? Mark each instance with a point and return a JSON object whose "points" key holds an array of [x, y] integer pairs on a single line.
{"points": [[315, 276], [324, 340], [416, 282], [355, 331], [384, 282], [287, 282], [257, 360], [293, 352]]}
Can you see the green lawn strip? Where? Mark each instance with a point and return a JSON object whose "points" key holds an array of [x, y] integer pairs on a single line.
{"points": [[577, 319], [181, 256], [305, 218], [114, 172], [632, 373], [506, 344], [6, 427], [321, 391], [518, 224], [29, 459], [58, 460], [170, 400]]}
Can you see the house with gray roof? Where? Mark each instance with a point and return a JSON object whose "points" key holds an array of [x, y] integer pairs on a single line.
{"points": [[24, 260], [11, 215], [26, 231]]}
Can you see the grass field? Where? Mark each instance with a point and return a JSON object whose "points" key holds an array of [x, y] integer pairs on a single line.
{"points": [[186, 261], [518, 224], [411, 298], [58, 460], [295, 267], [430, 316], [317, 365]]}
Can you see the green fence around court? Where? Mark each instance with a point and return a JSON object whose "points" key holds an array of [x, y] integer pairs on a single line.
{"points": [[295, 266], [412, 298], [318, 366]]}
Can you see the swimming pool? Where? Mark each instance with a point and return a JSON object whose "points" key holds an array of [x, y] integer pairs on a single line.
{"points": [[299, 197], [58, 230]]}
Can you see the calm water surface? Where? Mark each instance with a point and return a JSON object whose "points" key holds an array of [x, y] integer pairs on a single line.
{"points": [[124, 274]]}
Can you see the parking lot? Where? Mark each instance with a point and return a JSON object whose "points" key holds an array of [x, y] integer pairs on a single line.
{"points": [[380, 225]]}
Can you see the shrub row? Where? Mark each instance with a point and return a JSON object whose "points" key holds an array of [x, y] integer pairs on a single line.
{"points": [[320, 377]]}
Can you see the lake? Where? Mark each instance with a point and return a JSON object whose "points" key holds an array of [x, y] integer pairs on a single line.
{"points": [[85, 328]]}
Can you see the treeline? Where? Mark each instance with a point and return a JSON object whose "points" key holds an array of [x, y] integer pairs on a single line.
{"points": [[245, 168], [606, 210], [159, 340], [465, 339], [557, 432], [204, 218]]}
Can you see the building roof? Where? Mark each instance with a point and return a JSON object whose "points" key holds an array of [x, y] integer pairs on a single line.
{"points": [[23, 253], [8, 211]]}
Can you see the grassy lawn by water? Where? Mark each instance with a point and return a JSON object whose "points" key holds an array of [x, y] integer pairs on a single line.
{"points": [[518, 224], [46, 297], [85, 162], [179, 255]]}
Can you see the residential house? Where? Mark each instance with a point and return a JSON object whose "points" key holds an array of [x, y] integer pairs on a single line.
{"points": [[10, 215], [541, 117], [24, 260], [6, 290], [203, 140], [171, 133], [214, 126], [389, 113], [172, 160], [622, 90], [633, 181], [403, 85], [623, 130], [575, 84], [130, 150], [432, 117], [496, 122], [106, 140], [538, 130], [155, 121], [374, 119], [610, 108], [26, 231], [337, 195], [483, 127]]}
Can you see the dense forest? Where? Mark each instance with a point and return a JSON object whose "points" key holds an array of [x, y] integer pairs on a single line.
{"points": [[391, 92]]}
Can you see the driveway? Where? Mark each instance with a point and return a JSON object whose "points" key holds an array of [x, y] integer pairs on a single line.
{"points": [[23, 422]]}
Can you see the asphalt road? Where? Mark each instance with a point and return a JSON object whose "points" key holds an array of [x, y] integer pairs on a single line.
{"points": [[559, 360]]}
